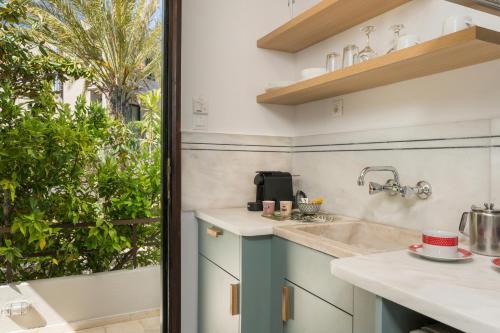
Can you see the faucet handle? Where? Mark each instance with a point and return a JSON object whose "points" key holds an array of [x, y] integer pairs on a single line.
{"points": [[375, 188], [408, 191], [424, 190]]}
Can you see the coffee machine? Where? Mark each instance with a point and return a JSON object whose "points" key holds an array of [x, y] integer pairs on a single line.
{"points": [[272, 185]]}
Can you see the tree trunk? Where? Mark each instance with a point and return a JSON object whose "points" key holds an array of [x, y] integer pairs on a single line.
{"points": [[119, 99]]}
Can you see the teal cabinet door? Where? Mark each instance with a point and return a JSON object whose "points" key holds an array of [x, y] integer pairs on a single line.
{"points": [[303, 312], [218, 299]]}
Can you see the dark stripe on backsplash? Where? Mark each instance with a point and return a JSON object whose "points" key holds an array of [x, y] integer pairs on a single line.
{"points": [[341, 150], [233, 144], [390, 149], [239, 147], [397, 141], [240, 150]]}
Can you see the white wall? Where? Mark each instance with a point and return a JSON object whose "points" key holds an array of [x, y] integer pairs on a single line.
{"points": [[220, 61], [78, 298]]}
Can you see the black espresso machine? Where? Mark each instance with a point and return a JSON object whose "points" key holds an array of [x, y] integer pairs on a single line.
{"points": [[272, 185]]}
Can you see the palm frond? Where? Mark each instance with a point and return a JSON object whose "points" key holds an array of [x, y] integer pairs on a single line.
{"points": [[119, 40]]}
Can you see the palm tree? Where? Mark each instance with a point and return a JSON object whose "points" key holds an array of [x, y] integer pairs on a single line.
{"points": [[118, 40]]}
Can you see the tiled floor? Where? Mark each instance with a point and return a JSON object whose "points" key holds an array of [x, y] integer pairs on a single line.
{"points": [[147, 325]]}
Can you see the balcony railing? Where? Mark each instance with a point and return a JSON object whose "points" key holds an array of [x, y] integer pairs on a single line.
{"points": [[130, 256]]}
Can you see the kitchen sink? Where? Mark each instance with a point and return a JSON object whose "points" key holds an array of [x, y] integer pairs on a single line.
{"points": [[342, 239]]}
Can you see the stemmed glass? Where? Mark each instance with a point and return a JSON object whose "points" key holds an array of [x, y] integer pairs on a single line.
{"points": [[291, 5], [396, 28], [367, 53]]}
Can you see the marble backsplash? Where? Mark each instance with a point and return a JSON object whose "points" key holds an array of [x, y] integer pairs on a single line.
{"points": [[218, 169], [460, 160]]}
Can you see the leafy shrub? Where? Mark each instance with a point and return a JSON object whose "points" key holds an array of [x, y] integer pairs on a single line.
{"points": [[67, 173], [62, 166]]}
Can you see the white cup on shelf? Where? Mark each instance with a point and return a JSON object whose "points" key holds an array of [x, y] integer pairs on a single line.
{"points": [[408, 41], [456, 23]]}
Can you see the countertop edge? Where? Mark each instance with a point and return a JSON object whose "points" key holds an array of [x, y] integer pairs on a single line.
{"points": [[255, 232], [416, 304]]}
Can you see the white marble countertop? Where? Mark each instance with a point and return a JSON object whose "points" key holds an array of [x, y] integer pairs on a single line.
{"points": [[240, 221], [465, 295]]}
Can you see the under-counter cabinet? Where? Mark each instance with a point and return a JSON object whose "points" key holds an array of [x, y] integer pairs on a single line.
{"points": [[311, 299], [218, 298], [234, 282], [306, 312], [267, 284]]}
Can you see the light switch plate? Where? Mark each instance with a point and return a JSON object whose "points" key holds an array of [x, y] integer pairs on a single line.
{"points": [[200, 105]]}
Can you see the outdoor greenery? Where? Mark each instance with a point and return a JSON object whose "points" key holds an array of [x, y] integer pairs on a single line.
{"points": [[67, 172], [119, 40], [25, 64]]}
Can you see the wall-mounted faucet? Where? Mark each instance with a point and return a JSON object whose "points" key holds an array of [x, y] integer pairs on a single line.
{"points": [[423, 190]]}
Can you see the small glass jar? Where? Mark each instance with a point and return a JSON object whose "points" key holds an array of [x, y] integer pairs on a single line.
{"points": [[351, 56], [332, 62]]}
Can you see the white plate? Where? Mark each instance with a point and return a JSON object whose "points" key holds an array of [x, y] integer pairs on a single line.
{"points": [[310, 73], [278, 84], [418, 250]]}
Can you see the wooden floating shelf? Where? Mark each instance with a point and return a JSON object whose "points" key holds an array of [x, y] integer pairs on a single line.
{"points": [[322, 21], [460, 49], [477, 6]]}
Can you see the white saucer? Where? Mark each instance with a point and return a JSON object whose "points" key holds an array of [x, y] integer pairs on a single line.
{"points": [[418, 250], [278, 85]]}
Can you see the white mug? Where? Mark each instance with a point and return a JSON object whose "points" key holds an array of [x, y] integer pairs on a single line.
{"points": [[456, 23], [407, 41]]}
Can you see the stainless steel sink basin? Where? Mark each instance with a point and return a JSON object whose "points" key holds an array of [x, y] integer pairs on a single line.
{"points": [[343, 239]]}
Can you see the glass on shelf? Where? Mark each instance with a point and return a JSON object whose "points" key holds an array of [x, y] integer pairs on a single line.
{"points": [[291, 8], [332, 61], [396, 28], [350, 56], [367, 53]]}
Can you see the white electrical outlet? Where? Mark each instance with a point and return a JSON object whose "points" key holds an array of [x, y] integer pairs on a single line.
{"points": [[337, 107], [200, 122]]}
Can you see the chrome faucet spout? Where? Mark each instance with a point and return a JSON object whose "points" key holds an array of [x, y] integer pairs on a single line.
{"points": [[392, 187], [361, 178]]}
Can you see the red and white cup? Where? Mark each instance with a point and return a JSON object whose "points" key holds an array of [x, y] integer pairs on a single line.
{"points": [[439, 243]]}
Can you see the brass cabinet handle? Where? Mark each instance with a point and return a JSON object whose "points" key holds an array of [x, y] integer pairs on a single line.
{"points": [[234, 302], [214, 232], [285, 304]]}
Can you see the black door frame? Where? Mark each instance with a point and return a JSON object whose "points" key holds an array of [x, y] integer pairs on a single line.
{"points": [[171, 168]]}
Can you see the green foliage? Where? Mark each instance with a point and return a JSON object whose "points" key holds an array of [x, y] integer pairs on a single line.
{"points": [[26, 64], [61, 166], [119, 40]]}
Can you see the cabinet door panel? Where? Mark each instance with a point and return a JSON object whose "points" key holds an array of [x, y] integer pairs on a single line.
{"points": [[223, 249], [214, 298], [311, 314], [310, 269]]}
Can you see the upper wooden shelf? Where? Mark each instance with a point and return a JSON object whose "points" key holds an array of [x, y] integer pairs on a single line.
{"points": [[324, 20], [477, 6], [460, 49]]}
